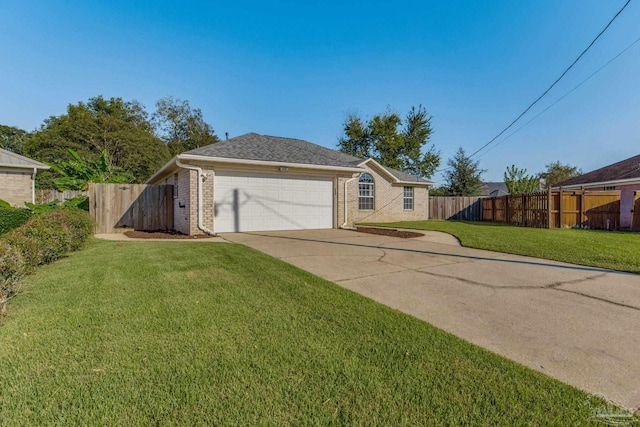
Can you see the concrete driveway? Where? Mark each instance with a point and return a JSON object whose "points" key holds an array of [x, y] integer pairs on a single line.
{"points": [[578, 324]]}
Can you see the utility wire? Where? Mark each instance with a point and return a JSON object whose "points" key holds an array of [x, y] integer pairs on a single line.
{"points": [[556, 81], [563, 96], [550, 87]]}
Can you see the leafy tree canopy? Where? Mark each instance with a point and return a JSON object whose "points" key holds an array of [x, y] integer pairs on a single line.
{"points": [[384, 139], [518, 182], [76, 174], [180, 126], [556, 172], [12, 138], [463, 177], [121, 129]]}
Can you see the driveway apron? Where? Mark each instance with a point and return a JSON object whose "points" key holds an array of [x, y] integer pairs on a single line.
{"points": [[578, 324]]}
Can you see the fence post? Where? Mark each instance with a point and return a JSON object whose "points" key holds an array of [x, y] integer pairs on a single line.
{"points": [[560, 206], [582, 219], [549, 201]]}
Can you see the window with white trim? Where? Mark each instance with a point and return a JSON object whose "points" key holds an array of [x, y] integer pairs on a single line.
{"points": [[366, 192], [407, 201], [610, 188], [175, 185]]}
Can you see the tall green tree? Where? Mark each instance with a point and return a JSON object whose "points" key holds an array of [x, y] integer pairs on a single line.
{"points": [[557, 172], [180, 126], [518, 182], [12, 138], [464, 176], [384, 139], [121, 128]]}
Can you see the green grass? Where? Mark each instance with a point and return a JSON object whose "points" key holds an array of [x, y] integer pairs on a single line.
{"points": [[612, 250], [181, 333]]}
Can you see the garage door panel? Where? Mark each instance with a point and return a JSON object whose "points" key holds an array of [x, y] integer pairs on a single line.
{"points": [[261, 202]]}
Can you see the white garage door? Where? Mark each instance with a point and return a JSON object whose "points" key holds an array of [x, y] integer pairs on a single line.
{"points": [[262, 202]]}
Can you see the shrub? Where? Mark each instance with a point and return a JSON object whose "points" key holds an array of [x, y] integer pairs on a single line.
{"points": [[41, 240], [79, 223], [11, 218], [12, 268]]}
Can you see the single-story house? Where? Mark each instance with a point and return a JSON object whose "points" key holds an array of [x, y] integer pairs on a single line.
{"points": [[623, 176], [257, 183], [17, 178]]}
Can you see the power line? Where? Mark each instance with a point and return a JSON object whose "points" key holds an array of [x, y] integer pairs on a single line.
{"points": [[556, 81], [551, 86], [563, 96]]}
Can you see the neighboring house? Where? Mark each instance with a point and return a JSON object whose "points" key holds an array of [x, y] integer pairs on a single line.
{"points": [[17, 178], [623, 176], [257, 183], [493, 189]]}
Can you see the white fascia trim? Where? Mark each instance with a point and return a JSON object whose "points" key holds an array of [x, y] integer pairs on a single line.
{"points": [[171, 163], [395, 180], [27, 167], [414, 184], [265, 163], [380, 168], [600, 184]]}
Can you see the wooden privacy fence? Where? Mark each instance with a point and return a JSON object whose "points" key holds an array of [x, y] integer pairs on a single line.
{"points": [[635, 219], [48, 196], [126, 206], [458, 208], [556, 209]]}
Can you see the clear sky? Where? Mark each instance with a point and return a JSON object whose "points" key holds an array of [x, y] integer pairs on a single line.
{"points": [[296, 68]]}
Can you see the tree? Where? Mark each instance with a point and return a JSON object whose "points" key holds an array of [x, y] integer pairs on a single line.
{"points": [[463, 177], [518, 182], [181, 127], [12, 138], [78, 173], [383, 140], [556, 172], [120, 128]]}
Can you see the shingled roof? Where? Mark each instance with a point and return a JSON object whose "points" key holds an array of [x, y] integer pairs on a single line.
{"points": [[252, 146], [13, 160], [624, 170]]}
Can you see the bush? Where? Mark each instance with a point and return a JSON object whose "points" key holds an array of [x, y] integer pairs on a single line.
{"points": [[79, 223], [41, 240], [11, 218], [12, 268]]}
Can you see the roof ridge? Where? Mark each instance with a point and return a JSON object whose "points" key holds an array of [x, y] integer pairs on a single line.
{"points": [[325, 150]]}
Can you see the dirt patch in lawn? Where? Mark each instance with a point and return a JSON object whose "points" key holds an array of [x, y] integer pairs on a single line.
{"points": [[389, 232], [162, 234]]}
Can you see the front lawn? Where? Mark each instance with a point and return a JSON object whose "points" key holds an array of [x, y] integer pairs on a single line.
{"points": [[605, 249], [183, 333]]}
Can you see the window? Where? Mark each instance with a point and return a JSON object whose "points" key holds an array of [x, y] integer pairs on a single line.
{"points": [[407, 202], [610, 188], [366, 192], [175, 186]]}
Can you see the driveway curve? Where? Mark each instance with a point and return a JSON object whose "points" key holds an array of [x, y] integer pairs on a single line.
{"points": [[577, 324]]}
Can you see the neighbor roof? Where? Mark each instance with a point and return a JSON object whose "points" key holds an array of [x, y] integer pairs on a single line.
{"points": [[252, 146], [13, 160], [494, 189], [624, 170]]}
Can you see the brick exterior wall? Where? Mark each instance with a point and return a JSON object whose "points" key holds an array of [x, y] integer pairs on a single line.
{"points": [[16, 187], [388, 201]]}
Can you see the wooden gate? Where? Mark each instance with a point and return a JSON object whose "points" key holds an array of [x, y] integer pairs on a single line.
{"points": [[131, 206]]}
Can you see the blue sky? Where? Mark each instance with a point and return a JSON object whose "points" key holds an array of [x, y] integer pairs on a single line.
{"points": [[295, 69]]}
